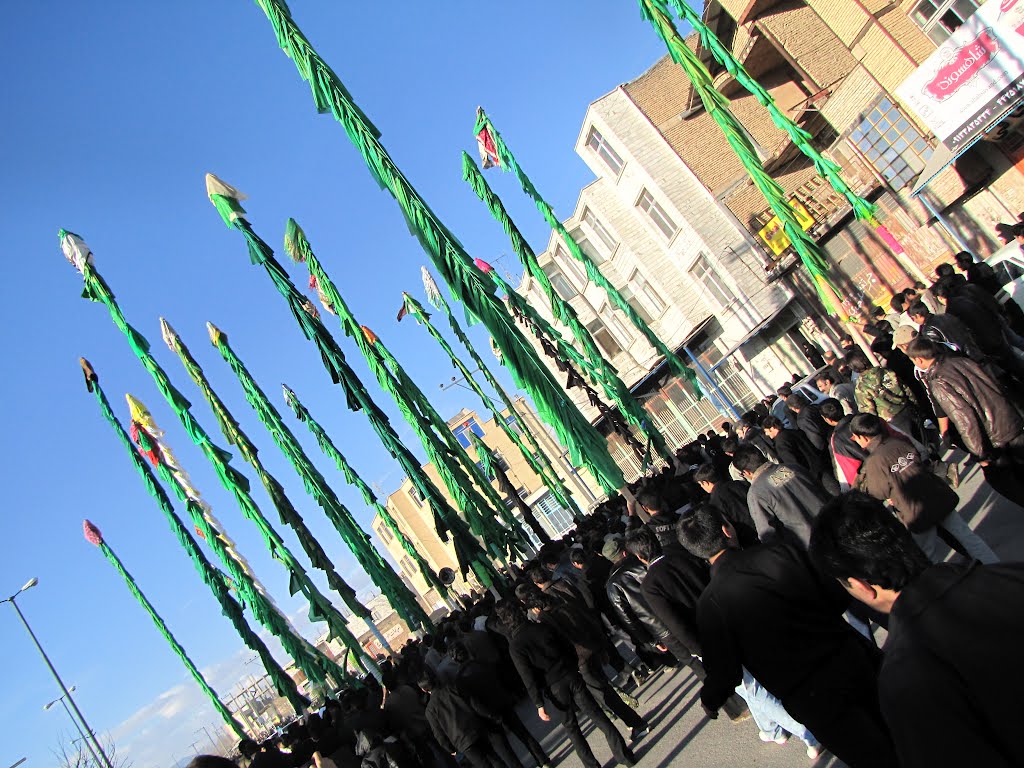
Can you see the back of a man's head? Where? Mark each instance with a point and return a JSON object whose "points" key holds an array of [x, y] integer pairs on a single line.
{"points": [[772, 422], [867, 425], [706, 473], [831, 410], [701, 534], [650, 497], [923, 348], [643, 544], [856, 537], [211, 761], [858, 363], [509, 614], [748, 459], [796, 402]]}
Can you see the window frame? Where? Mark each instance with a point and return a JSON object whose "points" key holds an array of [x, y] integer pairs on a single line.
{"points": [[933, 25], [589, 218], [644, 297], [877, 137], [647, 197], [596, 327], [601, 143], [709, 268]]}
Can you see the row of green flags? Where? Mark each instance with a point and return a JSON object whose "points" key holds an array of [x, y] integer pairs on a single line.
{"points": [[487, 526]]}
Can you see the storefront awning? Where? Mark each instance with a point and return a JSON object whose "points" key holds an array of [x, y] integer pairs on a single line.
{"points": [[751, 334], [943, 157]]}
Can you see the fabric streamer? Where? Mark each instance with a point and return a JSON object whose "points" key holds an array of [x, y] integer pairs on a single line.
{"points": [[93, 536], [534, 456], [398, 595], [585, 444], [717, 105], [321, 609], [447, 523], [286, 510], [352, 478], [459, 473], [219, 583], [604, 373]]}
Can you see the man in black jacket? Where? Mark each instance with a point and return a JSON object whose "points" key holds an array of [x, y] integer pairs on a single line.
{"points": [[768, 611], [730, 498], [794, 449], [466, 726], [632, 613], [955, 632], [663, 517], [808, 420], [752, 435], [546, 662], [946, 329], [847, 456]]}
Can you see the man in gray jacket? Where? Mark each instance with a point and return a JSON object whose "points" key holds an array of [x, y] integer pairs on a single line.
{"points": [[782, 497]]}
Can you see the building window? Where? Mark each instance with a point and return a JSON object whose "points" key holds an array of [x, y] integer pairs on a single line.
{"points": [[705, 274], [408, 566], [514, 424], [415, 495], [500, 460], [612, 322], [606, 341], [598, 229], [586, 246], [643, 298], [462, 431], [657, 214], [891, 144], [559, 520], [941, 18], [574, 269], [560, 282], [604, 150], [385, 534]]}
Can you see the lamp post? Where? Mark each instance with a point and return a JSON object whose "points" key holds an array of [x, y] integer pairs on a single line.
{"points": [[81, 733], [216, 747], [90, 737]]}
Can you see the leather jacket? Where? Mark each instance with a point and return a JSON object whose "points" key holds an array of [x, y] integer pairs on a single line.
{"points": [[631, 608], [973, 401]]}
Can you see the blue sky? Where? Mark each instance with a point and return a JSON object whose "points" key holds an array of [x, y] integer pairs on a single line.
{"points": [[114, 111]]}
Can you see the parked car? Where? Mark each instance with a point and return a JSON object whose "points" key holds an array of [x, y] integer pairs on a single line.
{"points": [[1008, 262]]}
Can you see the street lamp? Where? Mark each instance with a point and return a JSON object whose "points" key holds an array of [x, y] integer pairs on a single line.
{"points": [[94, 746], [81, 734]]}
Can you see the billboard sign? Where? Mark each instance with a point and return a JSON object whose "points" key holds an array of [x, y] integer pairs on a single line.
{"points": [[973, 78]]}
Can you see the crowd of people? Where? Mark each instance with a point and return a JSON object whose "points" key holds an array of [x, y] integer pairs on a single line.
{"points": [[765, 562]]}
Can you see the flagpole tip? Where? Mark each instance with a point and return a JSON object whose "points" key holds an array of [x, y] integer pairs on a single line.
{"points": [[216, 334], [89, 372], [92, 533], [217, 186], [75, 250], [169, 335]]}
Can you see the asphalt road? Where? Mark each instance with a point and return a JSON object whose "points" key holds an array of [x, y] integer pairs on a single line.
{"points": [[681, 734]]}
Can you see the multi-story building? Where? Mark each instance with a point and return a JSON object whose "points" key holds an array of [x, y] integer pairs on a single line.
{"points": [[674, 222], [414, 517]]}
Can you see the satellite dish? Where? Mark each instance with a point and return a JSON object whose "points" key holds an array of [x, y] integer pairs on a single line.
{"points": [[447, 576]]}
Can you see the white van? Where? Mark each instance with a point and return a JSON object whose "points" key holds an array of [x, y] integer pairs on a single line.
{"points": [[1008, 262]]}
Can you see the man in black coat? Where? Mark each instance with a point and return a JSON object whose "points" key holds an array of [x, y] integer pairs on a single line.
{"points": [[794, 449], [729, 497], [466, 726], [632, 613], [955, 632], [663, 517], [768, 611], [546, 662], [808, 420]]}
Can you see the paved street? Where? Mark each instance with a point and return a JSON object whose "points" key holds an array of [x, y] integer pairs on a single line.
{"points": [[679, 729]]}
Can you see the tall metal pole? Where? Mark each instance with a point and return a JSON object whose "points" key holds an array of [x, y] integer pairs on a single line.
{"points": [[89, 735], [81, 733]]}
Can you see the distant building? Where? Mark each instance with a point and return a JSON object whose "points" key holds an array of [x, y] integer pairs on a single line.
{"points": [[414, 516]]}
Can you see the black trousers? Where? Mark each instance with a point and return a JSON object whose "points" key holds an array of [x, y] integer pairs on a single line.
{"points": [[601, 688], [513, 724], [492, 751], [571, 697], [1006, 473]]}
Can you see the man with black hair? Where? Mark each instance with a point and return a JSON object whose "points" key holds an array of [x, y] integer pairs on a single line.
{"points": [[808, 420], [730, 498], [466, 726], [955, 632], [982, 315], [780, 410], [894, 473], [990, 427], [663, 518], [546, 662], [266, 755], [794, 448], [847, 456], [978, 272], [828, 383], [946, 329], [767, 610], [782, 497]]}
